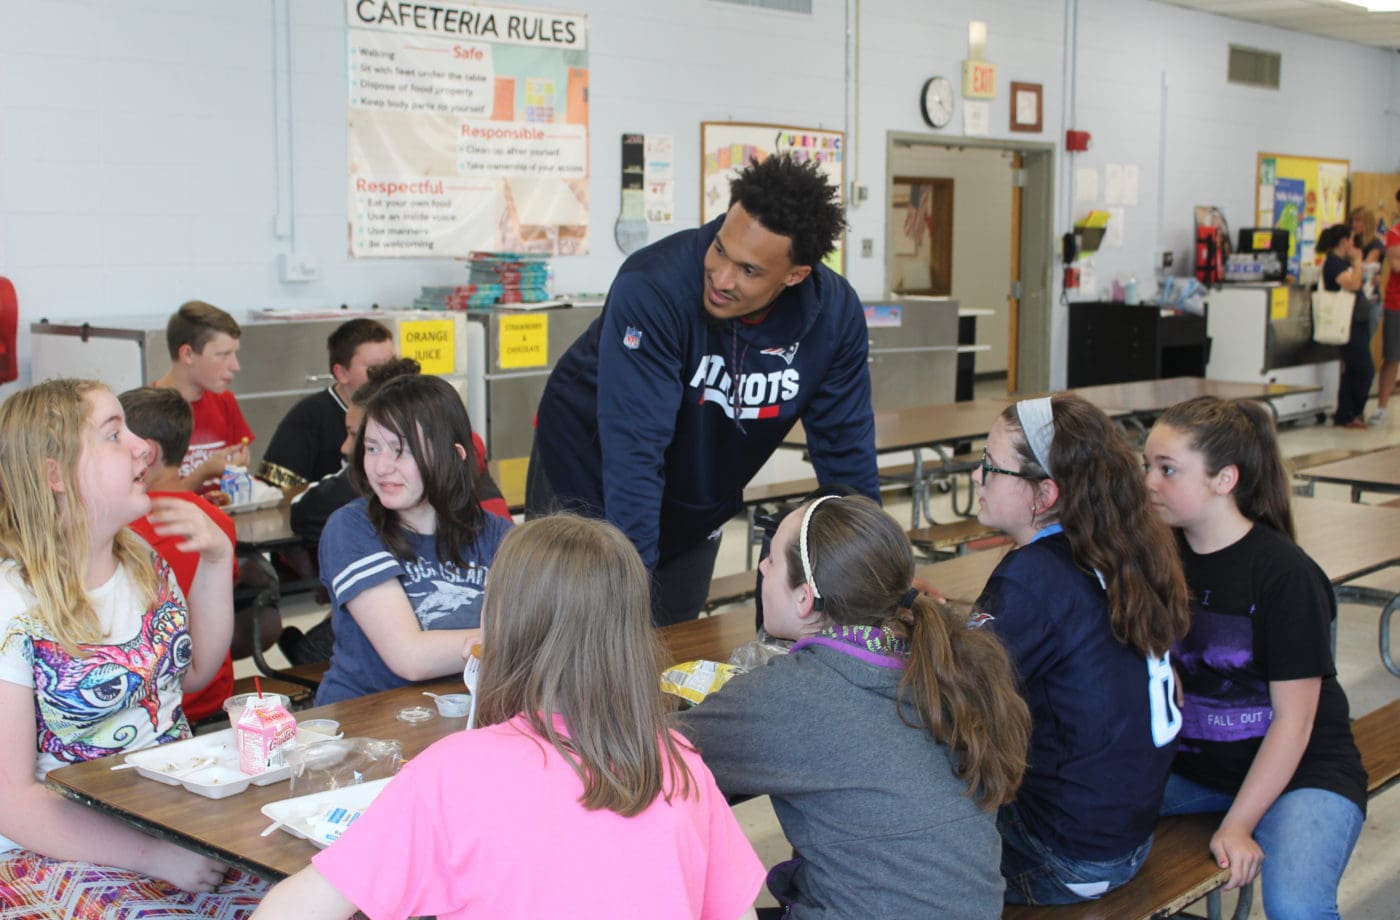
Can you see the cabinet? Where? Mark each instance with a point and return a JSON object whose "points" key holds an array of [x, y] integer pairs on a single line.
{"points": [[1263, 333], [1116, 343], [283, 356]]}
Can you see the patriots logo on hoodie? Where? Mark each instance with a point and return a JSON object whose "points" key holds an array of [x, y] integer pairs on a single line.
{"points": [[787, 354]]}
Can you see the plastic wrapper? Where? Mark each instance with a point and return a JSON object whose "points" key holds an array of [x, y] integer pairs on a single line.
{"points": [[339, 762], [692, 681], [756, 653]]}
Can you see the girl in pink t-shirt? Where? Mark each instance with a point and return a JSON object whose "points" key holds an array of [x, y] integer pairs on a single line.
{"points": [[573, 798]]}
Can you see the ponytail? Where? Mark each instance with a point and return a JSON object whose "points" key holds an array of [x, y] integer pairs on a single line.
{"points": [[962, 684]]}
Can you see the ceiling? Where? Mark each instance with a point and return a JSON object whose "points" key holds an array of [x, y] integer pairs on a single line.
{"points": [[1330, 18]]}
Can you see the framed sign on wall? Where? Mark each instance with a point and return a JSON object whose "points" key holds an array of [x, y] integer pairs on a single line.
{"points": [[727, 146], [1027, 107]]}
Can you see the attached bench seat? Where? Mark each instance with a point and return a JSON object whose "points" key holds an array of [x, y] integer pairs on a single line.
{"points": [[730, 589], [951, 539], [1180, 868], [1179, 871]]}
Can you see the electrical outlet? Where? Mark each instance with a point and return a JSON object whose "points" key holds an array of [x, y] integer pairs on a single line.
{"points": [[298, 268], [1167, 258], [867, 248]]}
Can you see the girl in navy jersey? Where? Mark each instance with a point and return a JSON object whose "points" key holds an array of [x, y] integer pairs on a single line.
{"points": [[1088, 605], [1266, 736]]}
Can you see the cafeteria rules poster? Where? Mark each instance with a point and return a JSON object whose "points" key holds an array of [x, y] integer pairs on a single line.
{"points": [[468, 129]]}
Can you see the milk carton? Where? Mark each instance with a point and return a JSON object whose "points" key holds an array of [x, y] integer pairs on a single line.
{"points": [[237, 485], [262, 734]]}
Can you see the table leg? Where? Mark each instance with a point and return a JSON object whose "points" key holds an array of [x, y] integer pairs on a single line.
{"points": [[916, 490]]}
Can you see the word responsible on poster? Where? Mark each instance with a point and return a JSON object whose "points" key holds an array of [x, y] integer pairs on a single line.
{"points": [[726, 147], [468, 129]]}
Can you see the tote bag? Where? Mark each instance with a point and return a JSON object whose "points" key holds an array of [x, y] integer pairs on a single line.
{"points": [[1331, 314]]}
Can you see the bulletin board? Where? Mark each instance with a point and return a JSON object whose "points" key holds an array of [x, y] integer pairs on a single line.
{"points": [[1301, 195], [727, 146]]}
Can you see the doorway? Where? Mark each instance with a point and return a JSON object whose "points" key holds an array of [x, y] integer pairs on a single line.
{"points": [[996, 226]]}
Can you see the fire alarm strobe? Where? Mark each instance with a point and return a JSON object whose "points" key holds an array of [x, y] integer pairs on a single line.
{"points": [[1077, 141]]}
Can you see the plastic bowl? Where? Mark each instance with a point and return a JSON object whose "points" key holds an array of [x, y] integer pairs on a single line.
{"points": [[327, 728], [234, 704], [453, 705]]}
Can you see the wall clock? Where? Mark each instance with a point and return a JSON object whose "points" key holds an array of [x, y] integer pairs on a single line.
{"points": [[936, 102]]}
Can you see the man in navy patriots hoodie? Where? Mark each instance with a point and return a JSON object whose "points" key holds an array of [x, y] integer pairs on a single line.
{"points": [[712, 344]]}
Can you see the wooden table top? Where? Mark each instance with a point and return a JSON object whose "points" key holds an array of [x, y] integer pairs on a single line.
{"points": [[1378, 470], [1156, 395], [229, 829], [924, 426], [1346, 540], [948, 423]]}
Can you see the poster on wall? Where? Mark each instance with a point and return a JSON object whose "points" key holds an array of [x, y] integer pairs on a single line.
{"points": [[726, 146], [1302, 195], [468, 130]]}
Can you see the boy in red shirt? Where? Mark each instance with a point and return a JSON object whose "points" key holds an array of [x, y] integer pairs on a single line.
{"points": [[203, 345], [162, 418]]}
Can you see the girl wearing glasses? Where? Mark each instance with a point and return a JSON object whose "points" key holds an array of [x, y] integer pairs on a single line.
{"points": [[1087, 604]]}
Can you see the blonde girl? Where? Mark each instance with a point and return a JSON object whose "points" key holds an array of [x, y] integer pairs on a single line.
{"points": [[1267, 733], [97, 645], [573, 800], [886, 738]]}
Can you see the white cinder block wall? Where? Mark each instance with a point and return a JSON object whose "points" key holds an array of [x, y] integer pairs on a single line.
{"points": [[157, 151]]}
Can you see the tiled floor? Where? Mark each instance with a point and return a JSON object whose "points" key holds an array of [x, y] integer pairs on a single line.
{"points": [[1371, 888]]}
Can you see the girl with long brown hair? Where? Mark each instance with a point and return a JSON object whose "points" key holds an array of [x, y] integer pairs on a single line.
{"points": [[886, 738], [97, 646], [573, 798], [1088, 605], [1267, 732], [406, 565]]}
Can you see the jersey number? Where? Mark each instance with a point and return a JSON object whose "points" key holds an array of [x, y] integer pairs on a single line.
{"points": [[1161, 696]]}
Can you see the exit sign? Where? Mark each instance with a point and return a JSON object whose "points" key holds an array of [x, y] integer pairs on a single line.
{"points": [[979, 80]]}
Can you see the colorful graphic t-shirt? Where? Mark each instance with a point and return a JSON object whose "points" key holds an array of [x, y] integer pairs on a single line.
{"points": [[124, 696], [443, 595], [1261, 611]]}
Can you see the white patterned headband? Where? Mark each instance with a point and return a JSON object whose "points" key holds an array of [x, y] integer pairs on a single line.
{"points": [[802, 548], [1038, 423]]}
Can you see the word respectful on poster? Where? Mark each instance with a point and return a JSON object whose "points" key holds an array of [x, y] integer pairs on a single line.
{"points": [[468, 129], [726, 147]]}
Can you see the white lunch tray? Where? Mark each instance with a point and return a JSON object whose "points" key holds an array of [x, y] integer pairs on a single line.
{"points": [[297, 814], [206, 765]]}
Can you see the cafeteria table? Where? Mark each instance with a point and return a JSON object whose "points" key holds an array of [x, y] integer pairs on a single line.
{"points": [[1374, 471], [230, 829]]}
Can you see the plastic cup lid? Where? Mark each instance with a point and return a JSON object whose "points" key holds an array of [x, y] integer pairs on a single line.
{"points": [[415, 714]]}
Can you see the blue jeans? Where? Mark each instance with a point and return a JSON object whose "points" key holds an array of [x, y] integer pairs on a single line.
{"points": [[1307, 836], [1036, 875]]}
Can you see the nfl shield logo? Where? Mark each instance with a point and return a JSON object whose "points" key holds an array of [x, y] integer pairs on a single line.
{"points": [[632, 338]]}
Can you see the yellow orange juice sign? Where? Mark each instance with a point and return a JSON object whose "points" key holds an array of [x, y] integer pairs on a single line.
{"points": [[524, 341], [430, 342]]}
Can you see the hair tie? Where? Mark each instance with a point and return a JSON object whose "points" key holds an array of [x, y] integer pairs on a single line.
{"points": [[1038, 423], [907, 601], [802, 549]]}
